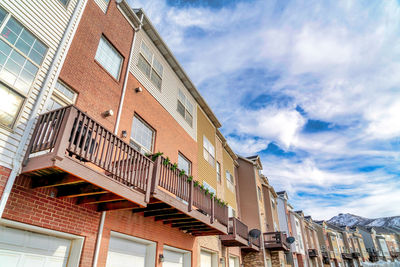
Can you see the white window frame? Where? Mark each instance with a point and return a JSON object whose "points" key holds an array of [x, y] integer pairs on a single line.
{"points": [[231, 211], [137, 143], [209, 187], [259, 193], [235, 259], [206, 151], [24, 95], [112, 47], [218, 169], [76, 241], [59, 97], [151, 62], [230, 184], [214, 256], [187, 255], [188, 115], [187, 160]]}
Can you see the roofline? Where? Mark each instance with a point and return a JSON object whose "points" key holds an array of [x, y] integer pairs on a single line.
{"points": [[126, 8], [169, 56], [227, 147]]}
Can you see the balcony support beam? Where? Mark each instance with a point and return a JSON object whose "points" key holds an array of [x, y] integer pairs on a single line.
{"points": [[79, 190], [120, 205], [54, 180], [109, 197]]}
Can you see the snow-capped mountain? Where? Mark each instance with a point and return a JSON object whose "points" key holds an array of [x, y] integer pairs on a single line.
{"points": [[352, 220]]}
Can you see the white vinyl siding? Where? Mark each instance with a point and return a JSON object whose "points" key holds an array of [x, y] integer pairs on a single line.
{"points": [[109, 57], [208, 151], [103, 4], [170, 86], [47, 21]]}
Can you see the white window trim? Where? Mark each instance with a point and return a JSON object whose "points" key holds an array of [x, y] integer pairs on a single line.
{"points": [[230, 184], [152, 251], [76, 241], [214, 256], [186, 159], [209, 187], [187, 255], [204, 148], [152, 139], [151, 64], [116, 51], [186, 109]]}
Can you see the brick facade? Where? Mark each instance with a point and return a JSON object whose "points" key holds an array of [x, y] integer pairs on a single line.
{"points": [[4, 174], [253, 259], [39, 207]]}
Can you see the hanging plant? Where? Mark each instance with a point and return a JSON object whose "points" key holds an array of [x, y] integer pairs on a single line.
{"points": [[156, 155], [166, 161], [196, 183], [182, 173], [174, 167], [190, 178]]}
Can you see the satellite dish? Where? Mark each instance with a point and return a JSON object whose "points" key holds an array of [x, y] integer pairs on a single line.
{"points": [[290, 239], [254, 233]]}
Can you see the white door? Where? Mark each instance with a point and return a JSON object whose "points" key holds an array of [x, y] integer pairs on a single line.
{"points": [[205, 259], [173, 258], [125, 253], [20, 248]]}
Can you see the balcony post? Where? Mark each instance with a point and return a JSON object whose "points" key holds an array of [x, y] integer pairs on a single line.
{"points": [[234, 225], [156, 174], [212, 210], [28, 151], [64, 133], [191, 187], [149, 180]]}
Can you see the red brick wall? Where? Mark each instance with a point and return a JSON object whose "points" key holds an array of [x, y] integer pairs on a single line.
{"points": [[4, 174], [135, 224], [170, 136], [97, 90], [38, 207]]}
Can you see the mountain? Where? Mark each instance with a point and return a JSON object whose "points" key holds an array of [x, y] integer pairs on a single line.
{"points": [[352, 220]]}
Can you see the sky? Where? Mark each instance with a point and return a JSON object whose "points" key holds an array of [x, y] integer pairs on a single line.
{"points": [[312, 87]]}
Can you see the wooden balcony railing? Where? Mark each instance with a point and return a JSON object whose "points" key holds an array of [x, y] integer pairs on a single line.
{"points": [[171, 179], [237, 227], [312, 252], [276, 241]]}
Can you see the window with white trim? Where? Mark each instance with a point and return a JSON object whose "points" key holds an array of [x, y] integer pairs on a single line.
{"points": [[231, 211], [64, 2], [209, 187], [21, 55], [230, 181], [184, 164], [109, 57], [62, 96], [150, 66], [185, 108], [208, 151], [218, 172], [142, 136]]}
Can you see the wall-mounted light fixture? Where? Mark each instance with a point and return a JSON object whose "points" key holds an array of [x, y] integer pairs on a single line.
{"points": [[108, 113], [138, 89], [161, 258], [124, 133], [222, 260]]}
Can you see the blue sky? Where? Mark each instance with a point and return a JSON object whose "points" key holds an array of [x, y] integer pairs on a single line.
{"points": [[315, 87]]}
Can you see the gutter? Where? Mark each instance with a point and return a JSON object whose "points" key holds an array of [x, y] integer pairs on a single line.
{"points": [[54, 67]]}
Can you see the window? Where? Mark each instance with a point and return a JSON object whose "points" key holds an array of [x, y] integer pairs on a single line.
{"points": [[231, 211], [150, 66], [64, 2], [230, 182], [62, 96], [175, 257], [209, 187], [142, 135], [184, 164], [185, 108], [259, 193], [21, 55], [218, 172], [208, 151], [109, 58]]}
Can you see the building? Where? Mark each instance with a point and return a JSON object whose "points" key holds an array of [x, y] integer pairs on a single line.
{"points": [[312, 243]]}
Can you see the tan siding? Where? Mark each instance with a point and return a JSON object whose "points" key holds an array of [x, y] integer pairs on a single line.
{"points": [[47, 20], [168, 96], [206, 172], [230, 196]]}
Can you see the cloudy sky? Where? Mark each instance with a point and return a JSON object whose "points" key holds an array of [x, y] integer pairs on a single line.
{"points": [[313, 87]]}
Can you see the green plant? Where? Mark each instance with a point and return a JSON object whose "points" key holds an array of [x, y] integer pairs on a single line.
{"points": [[166, 161], [206, 191], [156, 155], [196, 183], [211, 194], [174, 167], [190, 178], [182, 172]]}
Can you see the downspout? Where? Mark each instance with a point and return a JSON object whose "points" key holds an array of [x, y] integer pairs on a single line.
{"points": [[103, 214], [54, 67]]}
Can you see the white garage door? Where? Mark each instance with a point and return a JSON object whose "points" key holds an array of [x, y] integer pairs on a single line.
{"points": [[126, 253], [172, 258], [205, 259], [19, 248]]}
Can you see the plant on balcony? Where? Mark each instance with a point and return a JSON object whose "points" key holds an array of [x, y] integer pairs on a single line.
{"points": [[166, 161], [190, 178], [174, 167], [196, 183], [182, 173]]}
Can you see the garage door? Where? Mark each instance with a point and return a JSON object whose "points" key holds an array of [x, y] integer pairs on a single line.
{"points": [[126, 253], [233, 262], [172, 258], [205, 259], [27, 249]]}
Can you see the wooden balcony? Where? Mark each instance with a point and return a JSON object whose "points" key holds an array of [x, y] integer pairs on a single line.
{"points": [[356, 255], [347, 256], [276, 241], [312, 252], [178, 202], [81, 159], [238, 234]]}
